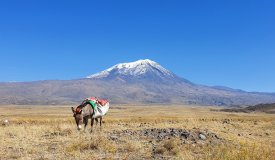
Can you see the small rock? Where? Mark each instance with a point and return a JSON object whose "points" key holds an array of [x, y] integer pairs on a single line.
{"points": [[185, 135], [202, 137], [226, 121], [5, 122]]}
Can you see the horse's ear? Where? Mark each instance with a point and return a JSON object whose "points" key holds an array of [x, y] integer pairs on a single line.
{"points": [[73, 110]]}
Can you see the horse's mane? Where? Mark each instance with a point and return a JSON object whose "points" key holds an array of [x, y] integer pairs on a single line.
{"points": [[85, 108], [78, 109]]}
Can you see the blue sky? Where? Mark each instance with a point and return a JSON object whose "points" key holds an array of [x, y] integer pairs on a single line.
{"points": [[229, 43]]}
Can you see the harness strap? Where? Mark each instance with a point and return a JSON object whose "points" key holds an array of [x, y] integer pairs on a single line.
{"points": [[92, 103]]}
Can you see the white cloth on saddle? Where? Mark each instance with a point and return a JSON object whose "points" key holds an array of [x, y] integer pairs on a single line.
{"points": [[100, 111]]}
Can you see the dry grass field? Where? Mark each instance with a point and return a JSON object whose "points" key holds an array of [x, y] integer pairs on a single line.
{"points": [[136, 132]]}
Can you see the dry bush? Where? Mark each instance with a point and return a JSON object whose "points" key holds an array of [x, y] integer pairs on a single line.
{"points": [[170, 144], [160, 150]]}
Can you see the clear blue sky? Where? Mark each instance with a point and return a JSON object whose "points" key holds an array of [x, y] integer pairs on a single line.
{"points": [[229, 43]]}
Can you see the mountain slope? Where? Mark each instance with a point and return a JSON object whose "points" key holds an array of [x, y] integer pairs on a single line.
{"points": [[143, 81]]}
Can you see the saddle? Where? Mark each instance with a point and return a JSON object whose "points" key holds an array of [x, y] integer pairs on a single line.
{"points": [[101, 102]]}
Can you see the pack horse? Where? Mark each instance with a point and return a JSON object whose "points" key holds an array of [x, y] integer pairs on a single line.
{"points": [[91, 108]]}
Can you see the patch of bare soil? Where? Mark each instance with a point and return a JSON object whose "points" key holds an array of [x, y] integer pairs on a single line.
{"points": [[167, 139]]}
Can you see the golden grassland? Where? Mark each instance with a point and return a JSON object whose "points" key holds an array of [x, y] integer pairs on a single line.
{"points": [[49, 132]]}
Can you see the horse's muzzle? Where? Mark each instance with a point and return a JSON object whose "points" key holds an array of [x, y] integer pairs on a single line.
{"points": [[79, 127]]}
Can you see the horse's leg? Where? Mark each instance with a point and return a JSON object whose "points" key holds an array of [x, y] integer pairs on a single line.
{"points": [[92, 123], [96, 119], [92, 119], [85, 119], [100, 122]]}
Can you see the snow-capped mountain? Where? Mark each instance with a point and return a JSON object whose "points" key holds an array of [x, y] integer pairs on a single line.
{"points": [[142, 68], [142, 81]]}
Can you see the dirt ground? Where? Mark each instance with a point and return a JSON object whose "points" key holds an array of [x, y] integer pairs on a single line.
{"points": [[136, 132]]}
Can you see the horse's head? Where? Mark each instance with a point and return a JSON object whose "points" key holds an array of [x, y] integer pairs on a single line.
{"points": [[78, 116]]}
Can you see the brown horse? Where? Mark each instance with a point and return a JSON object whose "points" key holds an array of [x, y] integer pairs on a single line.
{"points": [[83, 113]]}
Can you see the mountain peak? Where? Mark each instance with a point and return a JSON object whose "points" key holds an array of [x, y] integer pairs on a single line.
{"points": [[143, 67], [136, 63]]}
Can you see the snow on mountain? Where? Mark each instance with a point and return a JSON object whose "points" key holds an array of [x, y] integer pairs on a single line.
{"points": [[135, 69]]}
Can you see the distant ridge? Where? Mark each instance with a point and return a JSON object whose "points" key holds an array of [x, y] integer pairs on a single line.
{"points": [[267, 108], [142, 81]]}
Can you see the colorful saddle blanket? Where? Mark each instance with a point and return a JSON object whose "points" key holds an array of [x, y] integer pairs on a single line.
{"points": [[100, 106]]}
